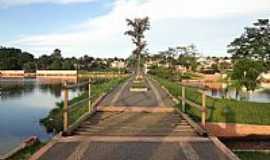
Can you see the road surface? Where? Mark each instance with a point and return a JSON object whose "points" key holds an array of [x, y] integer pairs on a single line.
{"points": [[135, 126]]}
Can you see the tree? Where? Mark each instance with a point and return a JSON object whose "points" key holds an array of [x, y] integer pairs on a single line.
{"points": [[68, 65], [187, 56], [86, 62], [44, 62], [138, 27], [254, 43], [29, 67], [14, 59], [246, 72], [56, 65], [56, 54], [251, 54]]}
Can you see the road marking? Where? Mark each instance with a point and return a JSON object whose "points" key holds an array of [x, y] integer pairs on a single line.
{"points": [[116, 97], [159, 99], [79, 151], [189, 152]]}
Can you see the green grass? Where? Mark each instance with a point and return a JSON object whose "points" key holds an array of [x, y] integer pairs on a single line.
{"points": [[253, 155], [54, 121], [106, 71], [222, 110], [27, 152], [172, 75]]}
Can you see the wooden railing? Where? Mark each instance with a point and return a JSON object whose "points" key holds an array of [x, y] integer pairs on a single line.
{"points": [[201, 107], [68, 107]]}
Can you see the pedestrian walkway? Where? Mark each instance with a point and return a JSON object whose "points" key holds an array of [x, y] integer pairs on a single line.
{"points": [[136, 126]]}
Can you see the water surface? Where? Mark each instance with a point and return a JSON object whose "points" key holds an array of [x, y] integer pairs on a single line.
{"points": [[221, 90], [23, 102]]}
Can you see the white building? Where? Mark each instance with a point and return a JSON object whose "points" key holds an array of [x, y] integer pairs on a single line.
{"points": [[265, 76], [118, 64]]}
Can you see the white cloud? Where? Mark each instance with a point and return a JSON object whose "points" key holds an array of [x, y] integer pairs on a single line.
{"points": [[103, 35], [8, 3]]}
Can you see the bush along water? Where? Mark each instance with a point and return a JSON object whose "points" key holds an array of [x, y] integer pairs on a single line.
{"points": [[53, 122]]}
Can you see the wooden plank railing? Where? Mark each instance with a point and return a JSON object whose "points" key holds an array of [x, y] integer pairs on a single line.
{"points": [[68, 108], [201, 107]]}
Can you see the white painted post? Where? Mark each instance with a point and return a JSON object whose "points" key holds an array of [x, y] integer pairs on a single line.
{"points": [[183, 99], [65, 116]]}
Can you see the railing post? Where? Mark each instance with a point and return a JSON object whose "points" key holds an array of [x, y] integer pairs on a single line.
{"points": [[183, 99], [89, 94], [65, 116], [203, 118]]}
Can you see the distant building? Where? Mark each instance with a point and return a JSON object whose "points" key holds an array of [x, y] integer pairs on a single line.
{"points": [[118, 64], [213, 64], [265, 77], [166, 65], [180, 68], [152, 62]]}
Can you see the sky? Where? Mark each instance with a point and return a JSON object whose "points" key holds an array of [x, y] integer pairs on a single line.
{"points": [[96, 27]]}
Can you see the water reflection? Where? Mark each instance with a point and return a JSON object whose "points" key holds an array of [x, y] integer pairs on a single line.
{"points": [[223, 91], [22, 103], [13, 89]]}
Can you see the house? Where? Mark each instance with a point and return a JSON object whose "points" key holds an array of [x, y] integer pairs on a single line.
{"points": [[213, 64], [118, 64], [180, 68], [265, 77]]}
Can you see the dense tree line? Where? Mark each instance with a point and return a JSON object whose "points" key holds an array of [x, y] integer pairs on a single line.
{"points": [[181, 55], [16, 59], [55, 61]]}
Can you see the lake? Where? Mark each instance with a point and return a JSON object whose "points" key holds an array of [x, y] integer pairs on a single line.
{"points": [[23, 102], [221, 90], [218, 90]]}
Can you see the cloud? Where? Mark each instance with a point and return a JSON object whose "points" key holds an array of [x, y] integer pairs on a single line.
{"points": [[103, 35], [8, 3]]}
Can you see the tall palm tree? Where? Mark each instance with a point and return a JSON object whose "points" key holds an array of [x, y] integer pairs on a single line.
{"points": [[138, 27]]}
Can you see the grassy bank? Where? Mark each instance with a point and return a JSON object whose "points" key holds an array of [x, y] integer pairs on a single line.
{"points": [[222, 110], [54, 121], [112, 71], [27, 152], [253, 155]]}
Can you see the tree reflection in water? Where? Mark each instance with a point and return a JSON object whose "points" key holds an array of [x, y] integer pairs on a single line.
{"points": [[18, 87]]}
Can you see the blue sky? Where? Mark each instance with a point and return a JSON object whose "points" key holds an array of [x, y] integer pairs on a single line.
{"points": [[96, 27]]}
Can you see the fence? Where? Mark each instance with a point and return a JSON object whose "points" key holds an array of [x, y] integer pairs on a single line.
{"points": [[201, 107], [12, 73], [73, 112], [56, 73]]}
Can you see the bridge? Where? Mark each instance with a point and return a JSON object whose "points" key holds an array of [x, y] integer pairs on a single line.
{"points": [[136, 126]]}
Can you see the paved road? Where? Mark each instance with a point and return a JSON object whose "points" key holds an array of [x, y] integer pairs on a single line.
{"points": [[192, 150], [160, 134], [155, 97]]}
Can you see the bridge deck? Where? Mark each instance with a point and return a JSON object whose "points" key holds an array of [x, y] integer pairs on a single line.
{"points": [[135, 132], [136, 124]]}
